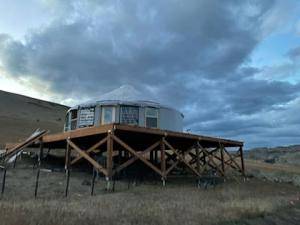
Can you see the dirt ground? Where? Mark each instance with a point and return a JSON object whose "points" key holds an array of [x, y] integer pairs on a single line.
{"points": [[235, 201]]}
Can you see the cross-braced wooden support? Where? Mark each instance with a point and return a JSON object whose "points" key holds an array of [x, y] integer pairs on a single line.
{"points": [[197, 159]]}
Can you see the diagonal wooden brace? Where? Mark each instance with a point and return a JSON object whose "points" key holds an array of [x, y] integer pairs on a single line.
{"points": [[232, 160], [210, 162], [133, 159], [88, 158], [91, 149], [136, 154], [181, 158]]}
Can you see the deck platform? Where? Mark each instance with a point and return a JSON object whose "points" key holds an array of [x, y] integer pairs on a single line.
{"points": [[161, 150]]}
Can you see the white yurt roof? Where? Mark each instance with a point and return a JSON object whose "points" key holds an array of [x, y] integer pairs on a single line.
{"points": [[126, 95]]}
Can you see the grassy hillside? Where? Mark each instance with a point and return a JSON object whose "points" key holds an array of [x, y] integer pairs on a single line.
{"points": [[21, 115], [282, 155], [280, 164]]}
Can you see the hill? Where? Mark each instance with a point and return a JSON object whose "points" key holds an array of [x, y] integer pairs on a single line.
{"points": [[280, 164], [282, 155], [21, 115]]}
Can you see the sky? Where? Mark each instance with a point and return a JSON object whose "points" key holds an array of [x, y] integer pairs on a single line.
{"points": [[231, 67]]}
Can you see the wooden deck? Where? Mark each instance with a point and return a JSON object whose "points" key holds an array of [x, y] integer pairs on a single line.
{"points": [[161, 151], [54, 139]]}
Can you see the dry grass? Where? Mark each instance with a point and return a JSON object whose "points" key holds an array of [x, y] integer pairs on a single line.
{"points": [[148, 203], [274, 172]]}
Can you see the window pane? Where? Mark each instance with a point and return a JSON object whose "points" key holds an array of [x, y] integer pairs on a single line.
{"points": [[74, 114], [151, 112], [107, 115], [73, 124], [151, 122], [86, 117], [130, 115]]}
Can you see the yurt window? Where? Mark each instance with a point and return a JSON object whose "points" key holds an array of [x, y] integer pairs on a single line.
{"points": [[108, 114], [151, 117], [73, 119], [86, 117], [67, 122], [129, 115]]}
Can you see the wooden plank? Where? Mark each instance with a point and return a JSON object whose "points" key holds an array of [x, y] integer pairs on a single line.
{"points": [[210, 161], [222, 158], [198, 158], [242, 160], [172, 167], [109, 156], [169, 133], [19, 147], [133, 152], [134, 158], [88, 158], [232, 159], [163, 157], [91, 149], [181, 158], [82, 132]]}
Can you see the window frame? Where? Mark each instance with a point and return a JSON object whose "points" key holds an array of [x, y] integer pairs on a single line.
{"points": [[113, 114], [156, 117], [79, 115], [73, 119], [121, 114]]}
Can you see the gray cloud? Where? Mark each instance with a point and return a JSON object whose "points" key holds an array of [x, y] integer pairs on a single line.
{"points": [[191, 55]]}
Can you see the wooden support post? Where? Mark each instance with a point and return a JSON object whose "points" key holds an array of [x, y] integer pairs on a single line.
{"points": [[242, 160], [38, 169], [198, 157], [67, 168], [15, 161], [109, 160], [163, 160], [222, 158], [93, 181], [3, 180]]}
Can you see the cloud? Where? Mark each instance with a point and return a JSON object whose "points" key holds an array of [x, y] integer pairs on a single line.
{"points": [[192, 55]]}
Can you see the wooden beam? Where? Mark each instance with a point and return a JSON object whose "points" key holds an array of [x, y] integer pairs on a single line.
{"points": [[67, 168], [163, 157], [210, 160], [91, 149], [88, 158], [133, 152], [109, 156], [222, 158], [172, 167], [198, 158], [242, 160], [82, 132], [232, 159], [134, 158], [181, 158], [175, 134]]}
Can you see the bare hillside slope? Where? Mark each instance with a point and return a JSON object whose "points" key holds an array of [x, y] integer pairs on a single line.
{"points": [[21, 115]]}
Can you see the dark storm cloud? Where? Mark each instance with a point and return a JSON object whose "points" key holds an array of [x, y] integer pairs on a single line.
{"points": [[142, 41], [191, 54]]}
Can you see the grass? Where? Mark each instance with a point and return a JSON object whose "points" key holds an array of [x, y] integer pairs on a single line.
{"points": [[274, 172], [148, 203]]}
